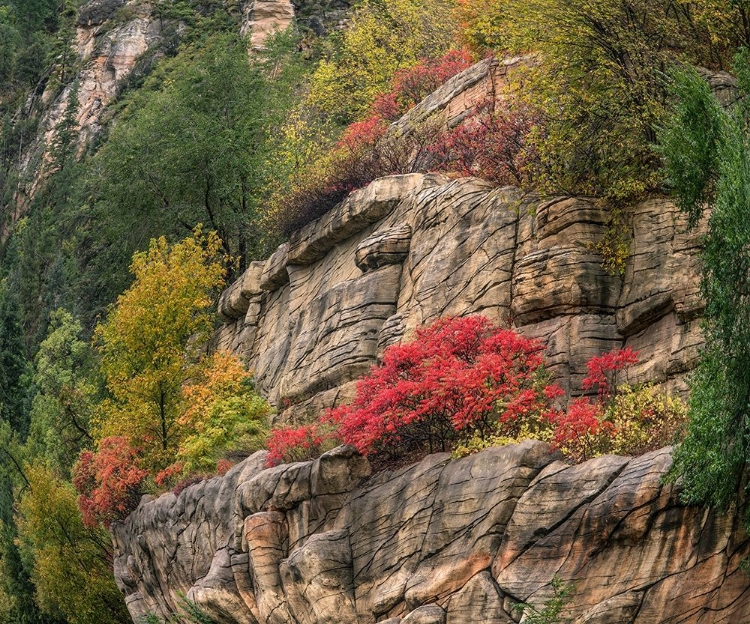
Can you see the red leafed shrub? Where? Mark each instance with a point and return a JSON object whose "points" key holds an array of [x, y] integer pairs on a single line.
{"points": [[582, 431], [108, 482], [458, 377], [223, 466], [463, 384], [620, 419], [411, 86], [602, 369], [365, 151], [491, 144], [292, 444], [362, 135], [386, 107], [169, 474]]}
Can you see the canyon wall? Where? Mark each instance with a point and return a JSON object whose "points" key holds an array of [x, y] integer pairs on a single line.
{"points": [[447, 541], [407, 250], [440, 542], [117, 41]]}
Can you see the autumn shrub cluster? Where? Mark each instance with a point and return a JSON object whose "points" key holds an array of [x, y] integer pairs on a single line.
{"points": [[463, 384], [495, 141], [365, 150]]}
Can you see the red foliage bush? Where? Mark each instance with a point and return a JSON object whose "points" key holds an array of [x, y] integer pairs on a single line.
{"points": [[109, 482], [412, 85], [223, 466], [583, 430], [362, 135], [602, 369], [186, 483], [365, 151], [291, 444], [490, 144], [168, 475], [458, 377]]}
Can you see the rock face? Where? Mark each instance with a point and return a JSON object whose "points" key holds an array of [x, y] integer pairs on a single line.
{"points": [[409, 249], [440, 542], [114, 40]]}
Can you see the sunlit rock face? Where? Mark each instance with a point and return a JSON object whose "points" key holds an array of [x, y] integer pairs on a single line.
{"points": [[441, 541]]}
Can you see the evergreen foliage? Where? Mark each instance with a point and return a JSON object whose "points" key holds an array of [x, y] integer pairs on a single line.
{"points": [[707, 158]]}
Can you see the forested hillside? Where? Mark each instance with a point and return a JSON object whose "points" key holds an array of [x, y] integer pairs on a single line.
{"points": [[150, 151]]}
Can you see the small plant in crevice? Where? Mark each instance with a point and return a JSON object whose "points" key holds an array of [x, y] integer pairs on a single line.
{"points": [[614, 244], [554, 608]]}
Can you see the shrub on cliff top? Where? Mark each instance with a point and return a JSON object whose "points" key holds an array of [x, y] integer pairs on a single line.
{"points": [[382, 39], [319, 176]]}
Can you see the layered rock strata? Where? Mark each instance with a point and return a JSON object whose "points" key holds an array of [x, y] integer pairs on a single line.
{"points": [[442, 542], [407, 250]]}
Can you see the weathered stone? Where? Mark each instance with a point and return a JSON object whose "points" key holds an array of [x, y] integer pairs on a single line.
{"points": [[465, 539], [360, 209], [389, 247], [569, 221], [265, 537], [561, 281], [474, 248], [217, 596], [234, 302], [620, 608], [429, 614], [482, 492], [262, 18], [274, 271], [335, 340], [322, 571], [478, 601]]}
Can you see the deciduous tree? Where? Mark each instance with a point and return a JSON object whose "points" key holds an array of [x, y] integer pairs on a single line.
{"points": [[150, 343]]}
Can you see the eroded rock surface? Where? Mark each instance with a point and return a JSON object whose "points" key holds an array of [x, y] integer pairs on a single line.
{"points": [[439, 542], [409, 249]]}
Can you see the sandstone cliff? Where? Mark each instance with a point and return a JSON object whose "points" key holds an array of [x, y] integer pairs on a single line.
{"points": [[446, 541], [442, 541], [409, 249]]}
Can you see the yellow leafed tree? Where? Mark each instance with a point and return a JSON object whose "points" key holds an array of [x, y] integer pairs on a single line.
{"points": [[150, 342]]}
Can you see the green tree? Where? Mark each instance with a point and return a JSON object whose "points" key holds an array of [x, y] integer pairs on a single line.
{"points": [[189, 149], [382, 38], [66, 394], [706, 151], [70, 563], [16, 587], [13, 366]]}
